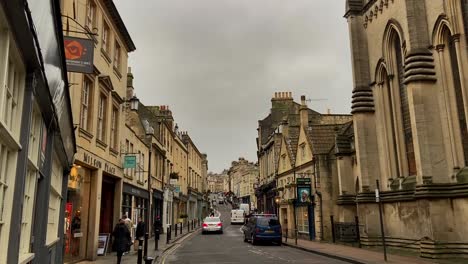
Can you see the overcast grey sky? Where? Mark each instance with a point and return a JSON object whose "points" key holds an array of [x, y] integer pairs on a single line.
{"points": [[217, 63]]}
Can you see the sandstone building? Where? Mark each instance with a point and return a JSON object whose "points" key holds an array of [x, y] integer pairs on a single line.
{"points": [[409, 108]]}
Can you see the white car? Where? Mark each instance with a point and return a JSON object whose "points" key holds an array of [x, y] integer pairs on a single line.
{"points": [[237, 216], [212, 224]]}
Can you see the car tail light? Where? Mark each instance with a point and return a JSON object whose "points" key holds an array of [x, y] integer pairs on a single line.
{"points": [[205, 225], [220, 224]]}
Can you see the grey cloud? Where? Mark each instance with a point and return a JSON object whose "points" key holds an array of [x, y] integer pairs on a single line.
{"points": [[218, 62]]}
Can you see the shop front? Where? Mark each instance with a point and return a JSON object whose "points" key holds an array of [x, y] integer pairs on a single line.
{"points": [[158, 204], [134, 202], [77, 213]]}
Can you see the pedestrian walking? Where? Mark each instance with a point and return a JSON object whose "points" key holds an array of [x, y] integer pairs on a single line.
{"points": [[122, 239], [140, 232], [129, 224], [157, 226]]}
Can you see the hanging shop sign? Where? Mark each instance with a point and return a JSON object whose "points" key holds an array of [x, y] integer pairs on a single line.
{"points": [[135, 191], [79, 53], [303, 192], [303, 180], [130, 162]]}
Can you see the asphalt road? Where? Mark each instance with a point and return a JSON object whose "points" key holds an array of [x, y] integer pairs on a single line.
{"points": [[230, 248]]}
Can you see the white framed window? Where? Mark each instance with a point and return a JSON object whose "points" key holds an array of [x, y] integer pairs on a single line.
{"points": [[114, 142], [105, 37], [86, 103], [117, 56], [302, 216], [30, 182], [91, 14], [55, 200], [101, 120]]}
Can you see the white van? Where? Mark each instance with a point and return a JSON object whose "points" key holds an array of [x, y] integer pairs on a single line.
{"points": [[237, 217], [245, 207]]}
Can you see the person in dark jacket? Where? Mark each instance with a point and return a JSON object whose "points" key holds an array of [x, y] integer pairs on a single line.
{"points": [[157, 226], [122, 239], [140, 232]]}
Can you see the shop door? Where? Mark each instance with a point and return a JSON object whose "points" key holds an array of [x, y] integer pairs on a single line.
{"points": [[311, 221], [107, 206]]}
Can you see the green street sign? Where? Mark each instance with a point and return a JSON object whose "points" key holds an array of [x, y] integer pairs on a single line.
{"points": [[130, 162], [303, 180]]}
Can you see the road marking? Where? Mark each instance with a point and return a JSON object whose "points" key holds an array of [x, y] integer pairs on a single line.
{"points": [[178, 243]]}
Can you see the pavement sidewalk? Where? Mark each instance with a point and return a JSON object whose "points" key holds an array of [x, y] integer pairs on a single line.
{"points": [[352, 254], [131, 258]]}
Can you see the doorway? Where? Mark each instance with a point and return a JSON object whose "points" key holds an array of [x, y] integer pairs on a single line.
{"points": [[107, 205]]}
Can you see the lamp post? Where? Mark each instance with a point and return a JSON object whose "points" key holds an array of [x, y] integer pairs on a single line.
{"points": [[149, 136], [277, 201]]}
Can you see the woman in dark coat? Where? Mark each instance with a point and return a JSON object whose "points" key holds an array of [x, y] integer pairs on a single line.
{"points": [[121, 239]]}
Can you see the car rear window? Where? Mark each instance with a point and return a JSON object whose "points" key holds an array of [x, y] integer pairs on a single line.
{"points": [[267, 221], [212, 220]]}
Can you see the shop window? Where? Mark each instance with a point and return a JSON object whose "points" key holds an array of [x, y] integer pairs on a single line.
{"points": [[302, 217], [55, 200], [127, 204], [101, 120]]}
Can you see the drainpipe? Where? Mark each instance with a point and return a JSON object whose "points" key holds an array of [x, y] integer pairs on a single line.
{"points": [[319, 194]]}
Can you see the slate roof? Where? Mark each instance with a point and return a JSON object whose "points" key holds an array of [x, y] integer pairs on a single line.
{"points": [[322, 137], [291, 141], [344, 139], [117, 19]]}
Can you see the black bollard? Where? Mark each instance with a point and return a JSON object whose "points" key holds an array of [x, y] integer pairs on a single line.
{"points": [[140, 251], [156, 238], [193, 224], [188, 227], [175, 230], [145, 246], [181, 228], [167, 235]]}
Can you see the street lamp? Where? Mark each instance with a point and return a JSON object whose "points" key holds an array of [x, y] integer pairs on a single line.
{"points": [[277, 201], [134, 102]]}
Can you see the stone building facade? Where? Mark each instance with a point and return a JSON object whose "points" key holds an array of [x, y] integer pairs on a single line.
{"points": [[409, 108], [37, 144]]}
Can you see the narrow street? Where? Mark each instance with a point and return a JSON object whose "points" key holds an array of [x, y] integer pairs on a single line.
{"points": [[230, 248]]}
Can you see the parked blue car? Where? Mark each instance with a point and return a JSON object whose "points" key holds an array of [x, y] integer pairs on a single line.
{"points": [[262, 227]]}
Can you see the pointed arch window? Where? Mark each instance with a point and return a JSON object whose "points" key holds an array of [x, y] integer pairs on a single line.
{"points": [[405, 114], [453, 91]]}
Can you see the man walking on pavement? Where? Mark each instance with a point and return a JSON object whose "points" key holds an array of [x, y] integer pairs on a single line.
{"points": [[140, 232]]}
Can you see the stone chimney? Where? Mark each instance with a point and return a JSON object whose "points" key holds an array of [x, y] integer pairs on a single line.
{"points": [[282, 101], [304, 112], [130, 88]]}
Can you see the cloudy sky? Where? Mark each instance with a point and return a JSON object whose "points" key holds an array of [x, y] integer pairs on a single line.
{"points": [[217, 63]]}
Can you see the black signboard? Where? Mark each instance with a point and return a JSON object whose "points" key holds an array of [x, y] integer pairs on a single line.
{"points": [[303, 180], [79, 53]]}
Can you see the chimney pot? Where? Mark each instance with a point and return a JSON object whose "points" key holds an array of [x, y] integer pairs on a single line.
{"points": [[276, 95], [328, 111]]}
